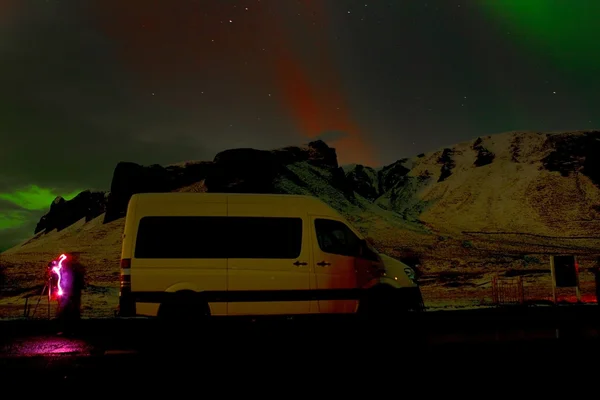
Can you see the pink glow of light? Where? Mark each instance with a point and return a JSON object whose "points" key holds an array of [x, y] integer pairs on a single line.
{"points": [[57, 271]]}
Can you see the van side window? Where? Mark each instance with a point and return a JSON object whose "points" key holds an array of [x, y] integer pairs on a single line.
{"points": [[336, 238], [219, 237], [264, 237], [181, 237]]}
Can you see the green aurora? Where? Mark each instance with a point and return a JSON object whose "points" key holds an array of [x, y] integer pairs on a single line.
{"points": [[31, 198], [12, 219], [563, 32]]}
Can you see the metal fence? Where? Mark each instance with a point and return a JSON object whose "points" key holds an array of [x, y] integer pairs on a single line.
{"points": [[507, 291]]}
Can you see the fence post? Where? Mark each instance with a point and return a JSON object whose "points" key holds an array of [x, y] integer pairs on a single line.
{"points": [[520, 290], [25, 310]]}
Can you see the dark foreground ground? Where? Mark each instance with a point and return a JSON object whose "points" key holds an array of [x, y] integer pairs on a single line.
{"points": [[506, 343]]}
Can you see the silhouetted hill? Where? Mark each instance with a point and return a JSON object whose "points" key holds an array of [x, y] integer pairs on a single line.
{"points": [[64, 213], [231, 171]]}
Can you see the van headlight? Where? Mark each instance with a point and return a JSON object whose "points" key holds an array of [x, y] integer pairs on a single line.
{"points": [[410, 273]]}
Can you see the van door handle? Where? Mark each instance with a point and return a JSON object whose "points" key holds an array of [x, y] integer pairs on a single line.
{"points": [[323, 263], [298, 263]]}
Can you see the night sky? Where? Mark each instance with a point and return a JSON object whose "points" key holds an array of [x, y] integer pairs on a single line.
{"points": [[88, 83]]}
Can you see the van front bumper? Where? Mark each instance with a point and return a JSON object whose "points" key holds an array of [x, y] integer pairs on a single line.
{"points": [[411, 298]]}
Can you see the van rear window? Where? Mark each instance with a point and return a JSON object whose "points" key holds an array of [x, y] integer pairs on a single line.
{"points": [[219, 237]]}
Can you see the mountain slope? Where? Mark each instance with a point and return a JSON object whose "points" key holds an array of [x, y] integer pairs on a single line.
{"points": [[524, 188]]}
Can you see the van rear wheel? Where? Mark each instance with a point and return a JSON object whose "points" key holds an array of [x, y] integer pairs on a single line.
{"points": [[185, 312]]}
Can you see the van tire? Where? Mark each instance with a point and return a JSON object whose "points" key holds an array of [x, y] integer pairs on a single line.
{"points": [[384, 307], [184, 311], [384, 303], [377, 303]]}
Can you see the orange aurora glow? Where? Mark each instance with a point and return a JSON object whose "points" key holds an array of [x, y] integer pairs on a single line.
{"points": [[156, 41], [8, 8], [317, 104]]}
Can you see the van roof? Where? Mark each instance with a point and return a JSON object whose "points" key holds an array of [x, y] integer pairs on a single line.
{"points": [[314, 204]]}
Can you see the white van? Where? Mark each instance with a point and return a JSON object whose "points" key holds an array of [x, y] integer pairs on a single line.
{"points": [[187, 255]]}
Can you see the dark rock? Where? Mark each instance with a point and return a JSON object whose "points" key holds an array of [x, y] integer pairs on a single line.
{"points": [[184, 175], [448, 164], [130, 178], [63, 213], [515, 149], [484, 156], [254, 171], [390, 175], [364, 181], [339, 181], [244, 155], [574, 152], [425, 176], [591, 162], [243, 170], [321, 155]]}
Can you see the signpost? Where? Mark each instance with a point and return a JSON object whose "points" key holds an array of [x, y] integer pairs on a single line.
{"points": [[565, 274]]}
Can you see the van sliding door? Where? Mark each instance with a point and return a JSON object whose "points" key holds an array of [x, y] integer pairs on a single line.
{"points": [[268, 264]]}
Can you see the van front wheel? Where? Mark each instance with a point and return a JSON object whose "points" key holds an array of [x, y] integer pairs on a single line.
{"points": [[385, 303]]}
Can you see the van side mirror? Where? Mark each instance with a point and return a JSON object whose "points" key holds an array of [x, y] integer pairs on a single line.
{"points": [[362, 247], [366, 252]]}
